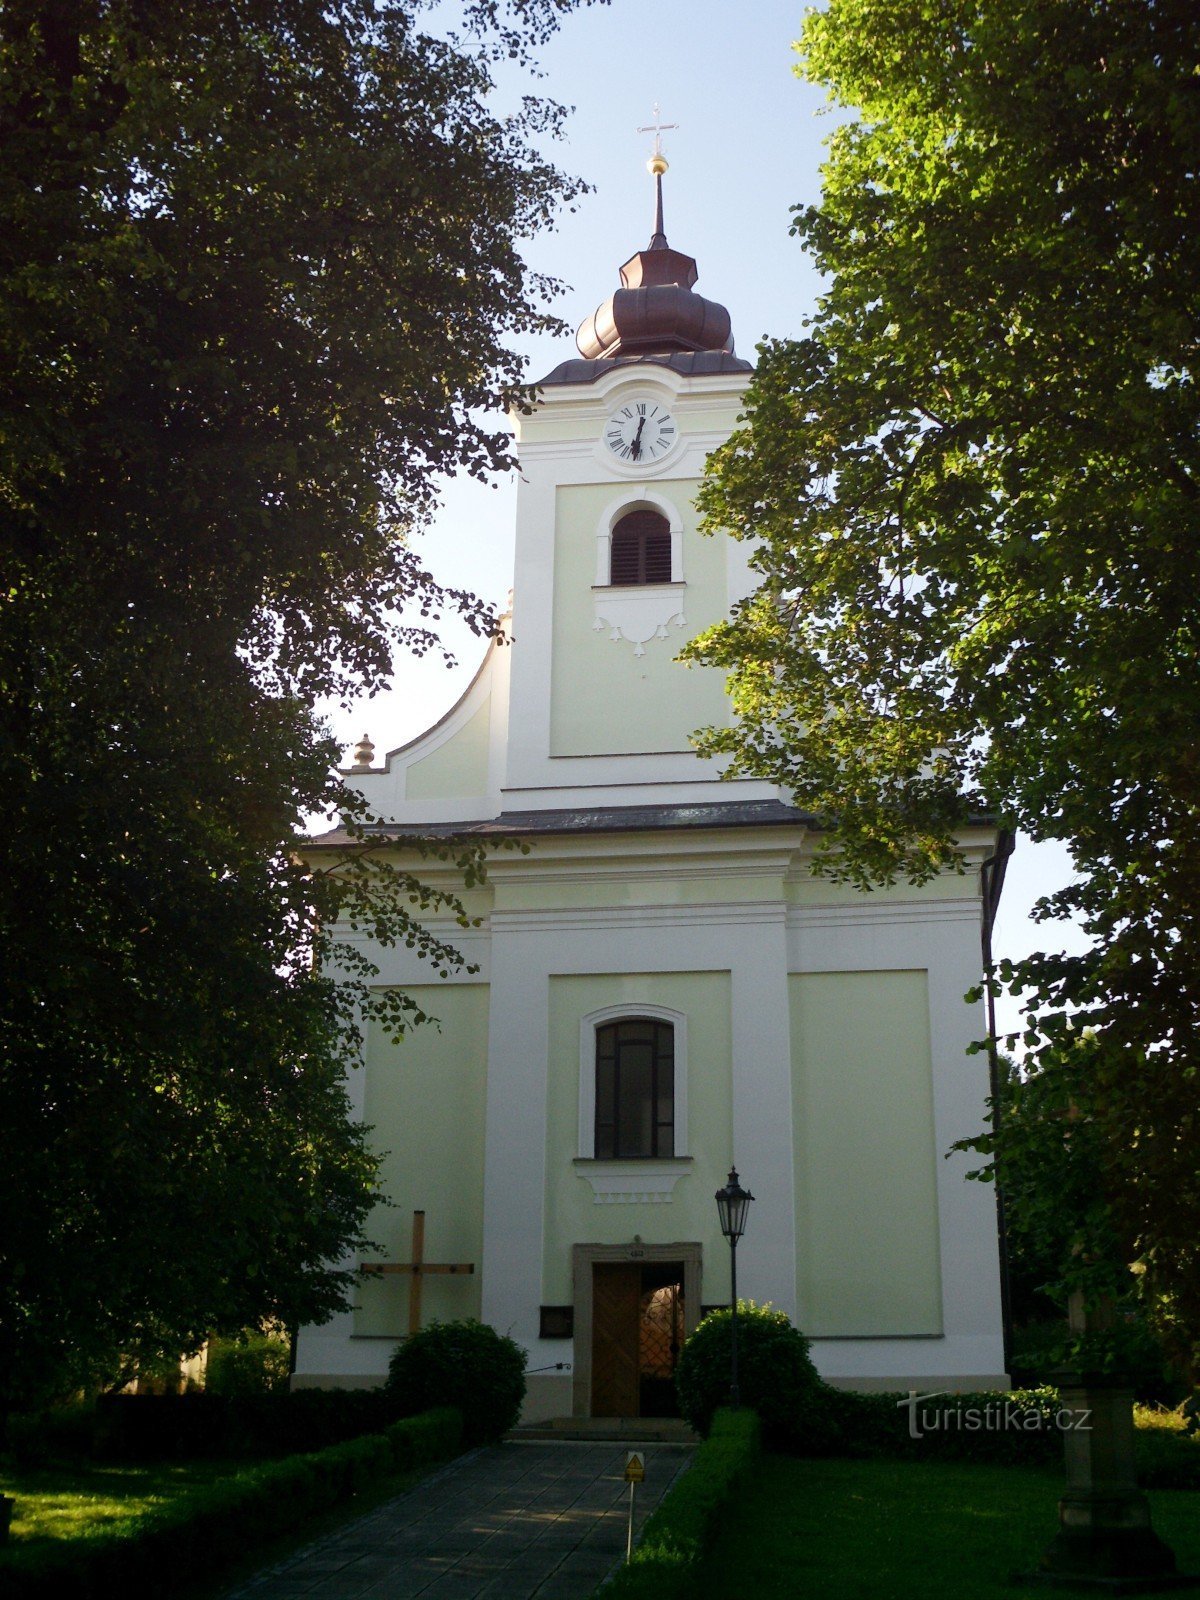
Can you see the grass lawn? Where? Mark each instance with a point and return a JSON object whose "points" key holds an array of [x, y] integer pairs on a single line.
{"points": [[903, 1530], [89, 1501]]}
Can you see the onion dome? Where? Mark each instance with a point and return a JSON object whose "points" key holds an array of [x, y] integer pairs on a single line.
{"points": [[655, 311]]}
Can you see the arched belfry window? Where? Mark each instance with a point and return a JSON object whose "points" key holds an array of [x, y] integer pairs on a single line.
{"points": [[641, 548], [635, 1089]]}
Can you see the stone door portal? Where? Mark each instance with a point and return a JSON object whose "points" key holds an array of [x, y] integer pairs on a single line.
{"points": [[635, 1305]]}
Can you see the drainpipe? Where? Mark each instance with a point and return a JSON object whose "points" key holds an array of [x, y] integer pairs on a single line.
{"points": [[991, 883]]}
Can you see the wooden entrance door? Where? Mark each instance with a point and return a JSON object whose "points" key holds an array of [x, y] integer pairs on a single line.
{"points": [[616, 1314], [637, 1330]]}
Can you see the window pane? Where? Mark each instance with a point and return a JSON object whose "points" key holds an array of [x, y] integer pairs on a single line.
{"points": [[634, 1133], [666, 1098], [605, 1083], [635, 1089]]}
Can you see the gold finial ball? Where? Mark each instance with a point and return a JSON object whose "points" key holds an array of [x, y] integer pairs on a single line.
{"points": [[657, 164]]}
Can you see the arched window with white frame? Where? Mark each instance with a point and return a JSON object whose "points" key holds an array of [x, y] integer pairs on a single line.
{"points": [[639, 541], [633, 1084]]}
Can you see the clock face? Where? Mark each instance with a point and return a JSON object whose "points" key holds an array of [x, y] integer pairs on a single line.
{"points": [[639, 432]]}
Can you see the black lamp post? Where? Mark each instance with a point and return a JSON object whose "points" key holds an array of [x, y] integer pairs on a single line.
{"points": [[733, 1206]]}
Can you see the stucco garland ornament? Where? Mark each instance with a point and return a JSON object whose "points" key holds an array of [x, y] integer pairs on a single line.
{"points": [[640, 616]]}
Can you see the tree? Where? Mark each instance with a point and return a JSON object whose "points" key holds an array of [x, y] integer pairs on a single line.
{"points": [[975, 485], [1051, 1162], [258, 282]]}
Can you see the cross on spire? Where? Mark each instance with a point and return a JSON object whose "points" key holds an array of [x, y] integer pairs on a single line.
{"points": [[656, 128], [656, 166]]}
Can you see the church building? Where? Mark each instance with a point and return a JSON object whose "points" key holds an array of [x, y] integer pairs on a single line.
{"points": [[663, 990]]}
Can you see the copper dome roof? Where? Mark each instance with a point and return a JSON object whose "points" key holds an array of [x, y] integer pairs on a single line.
{"points": [[655, 311]]}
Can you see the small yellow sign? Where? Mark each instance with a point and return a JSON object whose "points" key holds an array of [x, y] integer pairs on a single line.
{"points": [[635, 1467]]}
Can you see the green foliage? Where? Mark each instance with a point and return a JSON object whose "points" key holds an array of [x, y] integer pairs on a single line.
{"points": [[1050, 1156], [1130, 1347], [259, 283], [776, 1377], [975, 491], [667, 1561], [162, 1550], [465, 1364], [253, 1363], [1168, 1452]]}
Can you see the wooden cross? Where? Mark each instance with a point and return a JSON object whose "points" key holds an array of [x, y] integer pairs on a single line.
{"points": [[418, 1267]]}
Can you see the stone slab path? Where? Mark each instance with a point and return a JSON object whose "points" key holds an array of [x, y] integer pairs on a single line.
{"points": [[507, 1523]]}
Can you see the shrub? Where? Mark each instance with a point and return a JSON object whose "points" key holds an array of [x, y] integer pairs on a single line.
{"points": [[776, 1377], [677, 1536], [1168, 1453], [464, 1364], [1006, 1427], [253, 1363]]}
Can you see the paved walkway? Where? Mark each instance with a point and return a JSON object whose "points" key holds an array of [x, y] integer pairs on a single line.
{"points": [[506, 1523]]}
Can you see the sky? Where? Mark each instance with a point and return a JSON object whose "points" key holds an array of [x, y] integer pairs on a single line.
{"points": [[747, 149]]}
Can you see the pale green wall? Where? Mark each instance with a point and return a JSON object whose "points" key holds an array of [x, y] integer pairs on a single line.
{"points": [[572, 1216], [604, 699], [425, 1099], [668, 889], [458, 769], [946, 885], [866, 1202]]}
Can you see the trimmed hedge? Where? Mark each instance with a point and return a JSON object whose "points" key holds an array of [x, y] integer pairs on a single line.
{"points": [[1004, 1427], [219, 1524], [683, 1528], [199, 1426]]}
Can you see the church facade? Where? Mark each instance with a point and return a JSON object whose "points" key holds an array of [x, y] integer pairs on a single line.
{"points": [[663, 988]]}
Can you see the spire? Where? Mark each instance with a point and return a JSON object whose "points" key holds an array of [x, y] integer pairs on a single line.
{"points": [[656, 166], [658, 239], [655, 311]]}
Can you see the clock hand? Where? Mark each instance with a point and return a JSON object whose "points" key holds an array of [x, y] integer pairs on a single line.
{"points": [[635, 446]]}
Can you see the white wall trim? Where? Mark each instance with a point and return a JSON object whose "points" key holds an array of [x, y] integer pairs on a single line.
{"points": [[587, 1075]]}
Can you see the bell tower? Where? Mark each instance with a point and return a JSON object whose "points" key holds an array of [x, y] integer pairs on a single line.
{"points": [[612, 574], [590, 709]]}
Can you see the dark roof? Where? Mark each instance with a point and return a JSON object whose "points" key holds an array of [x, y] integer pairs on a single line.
{"points": [[601, 819], [691, 363]]}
